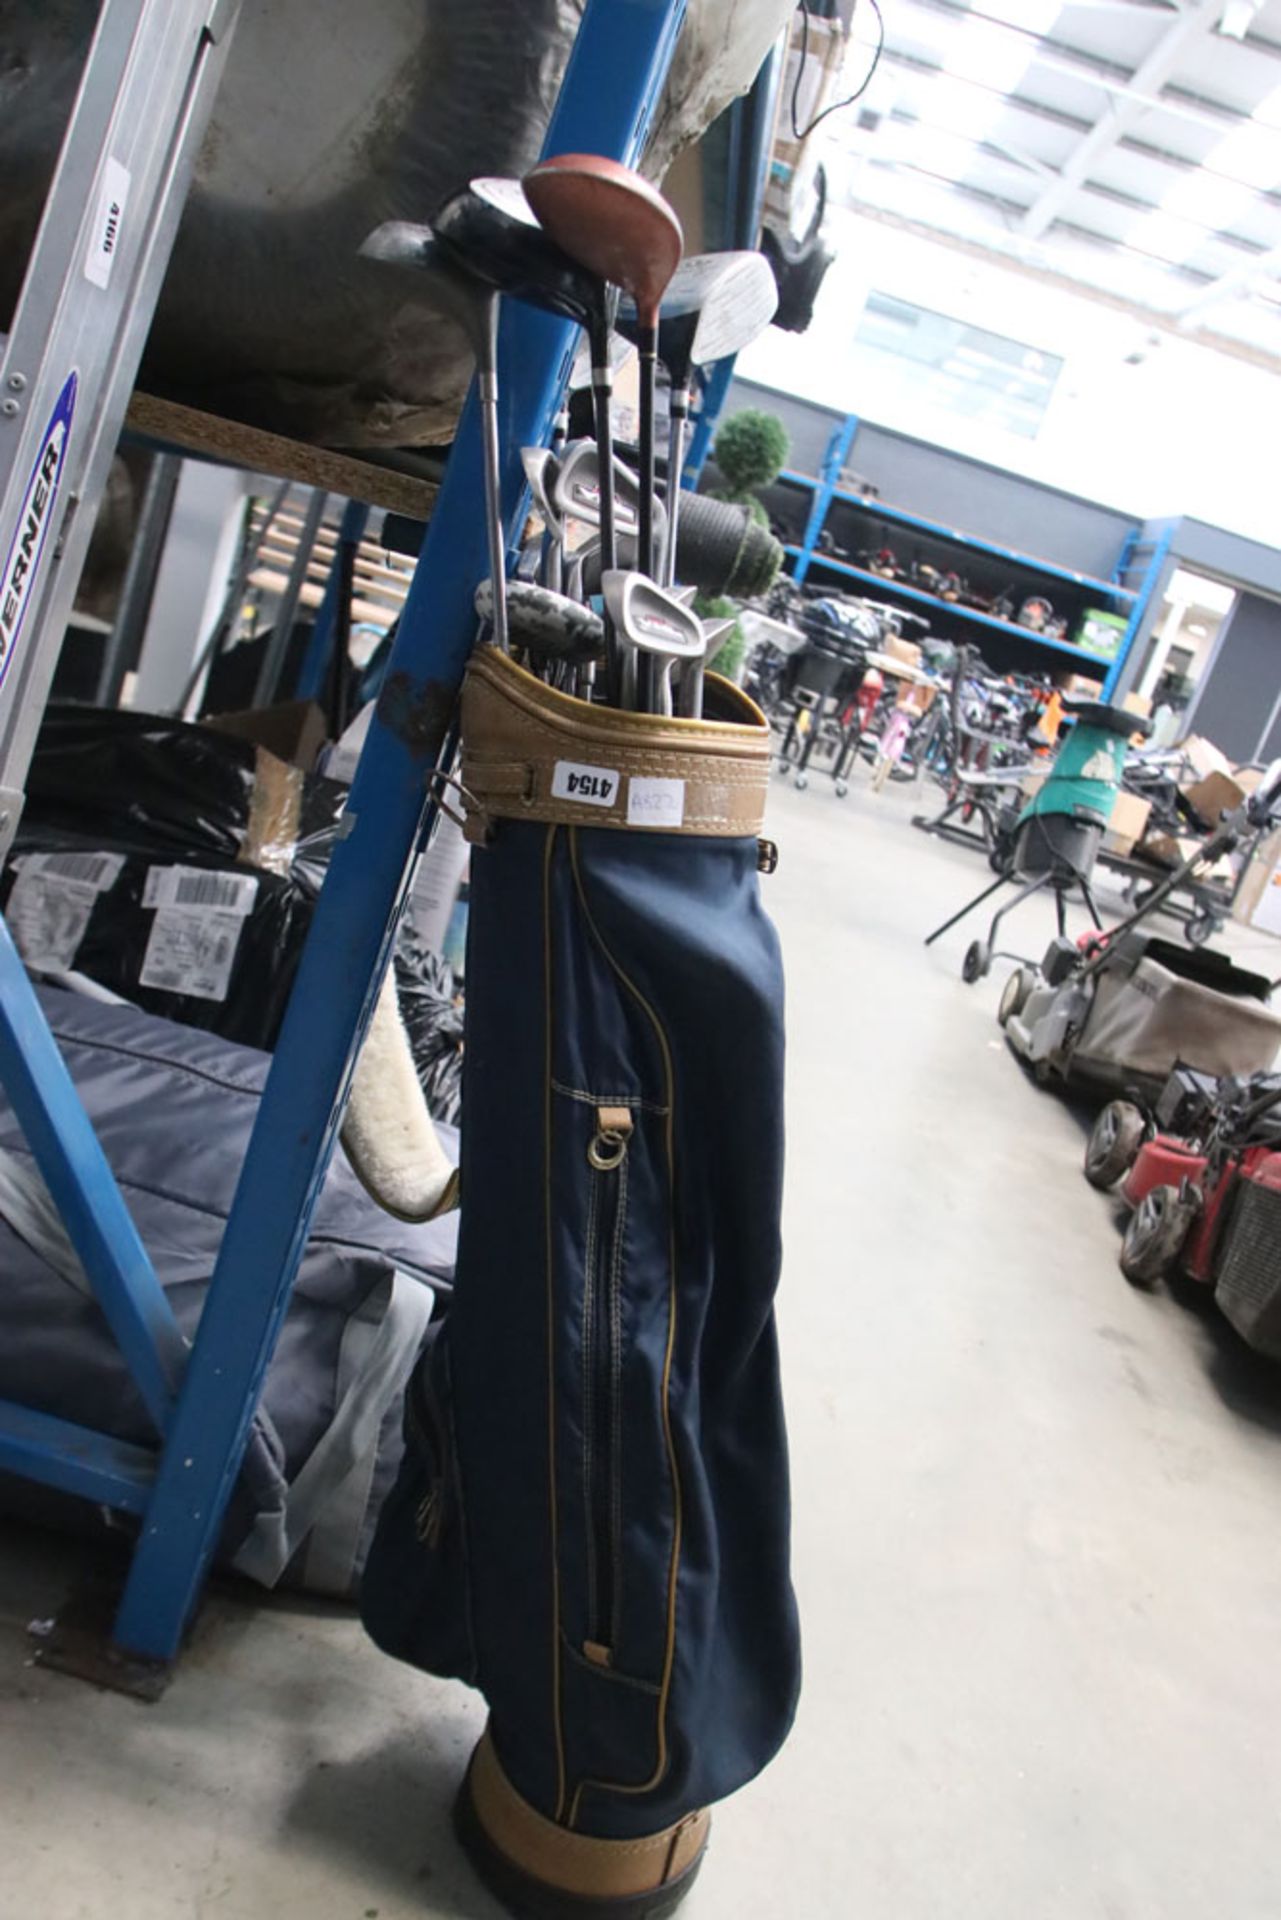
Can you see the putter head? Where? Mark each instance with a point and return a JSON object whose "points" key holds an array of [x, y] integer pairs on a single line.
{"points": [[611, 220], [715, 305], [651, 619], [576, 492], [546, 623], [489, 231]]}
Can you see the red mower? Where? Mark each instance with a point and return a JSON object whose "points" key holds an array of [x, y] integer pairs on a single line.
{"points": [[1202, 1176]]}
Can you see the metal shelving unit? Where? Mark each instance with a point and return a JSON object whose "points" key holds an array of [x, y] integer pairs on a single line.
{"points": [[67, 372], [1128, 591]]}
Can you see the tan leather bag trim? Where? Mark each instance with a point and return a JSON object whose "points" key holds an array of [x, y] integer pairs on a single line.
{"points": [[577, 1863], [516, 730]]}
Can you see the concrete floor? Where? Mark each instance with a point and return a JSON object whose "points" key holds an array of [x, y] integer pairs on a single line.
{"points": [[1037, 1547]]}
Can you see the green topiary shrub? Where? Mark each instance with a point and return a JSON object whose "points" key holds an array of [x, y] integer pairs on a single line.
{"points": [[750, 450]]}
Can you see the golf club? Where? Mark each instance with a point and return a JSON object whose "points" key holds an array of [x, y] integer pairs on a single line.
{"points": [[488, 235], [547, 624], [577, 491], [714, 305], [540, 471], [655, 630], [495, 233], [618, 226], [474, 305]]}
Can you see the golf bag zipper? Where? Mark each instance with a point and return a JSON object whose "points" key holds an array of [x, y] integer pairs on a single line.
{"points": [[602, 1379]]}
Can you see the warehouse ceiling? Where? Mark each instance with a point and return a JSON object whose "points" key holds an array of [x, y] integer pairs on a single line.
{"points": [[1130, 146]]}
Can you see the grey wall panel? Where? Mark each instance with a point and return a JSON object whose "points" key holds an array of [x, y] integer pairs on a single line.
{"points": [[976, 499], [1237, 696], [1229, 555]]}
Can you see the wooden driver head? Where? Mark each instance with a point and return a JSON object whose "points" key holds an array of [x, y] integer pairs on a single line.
{"points": [[611, 221]]}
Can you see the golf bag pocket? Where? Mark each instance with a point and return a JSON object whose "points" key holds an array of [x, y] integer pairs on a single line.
{"points": [[414, 1598], [620, 1465]]}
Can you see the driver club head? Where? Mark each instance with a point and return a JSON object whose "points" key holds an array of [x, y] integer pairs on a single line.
{"points": [[714, 305], [489, 231], [415, 249], [610, 220]]}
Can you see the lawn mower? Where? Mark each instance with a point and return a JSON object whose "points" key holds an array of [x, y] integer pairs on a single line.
{"points": [[1201, 1174], [1058, 833], [1120, 1010]]}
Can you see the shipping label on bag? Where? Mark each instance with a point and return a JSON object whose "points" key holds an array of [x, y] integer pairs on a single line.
{"points": [[196, 932], [52, 900]]}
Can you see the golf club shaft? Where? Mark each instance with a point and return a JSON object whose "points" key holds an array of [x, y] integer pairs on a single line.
{"points": [[678, 414], [647, 352], [602, 391], [487, 381]]}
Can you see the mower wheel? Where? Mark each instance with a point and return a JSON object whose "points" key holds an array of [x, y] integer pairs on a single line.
{"points": [[842, 788], [1114, 1140], [1202, 928], [975, 963], [1153, 1236], [801, 781], [1014, 996]]}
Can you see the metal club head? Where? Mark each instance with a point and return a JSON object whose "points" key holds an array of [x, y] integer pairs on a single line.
{"points": [[650, 622], [577, 488], [540, 466], [610, 220], [715, 304]]}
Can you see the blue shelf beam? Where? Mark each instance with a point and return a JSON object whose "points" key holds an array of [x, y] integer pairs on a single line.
{"points": [[1006, 627], [898, 516], [613, 81], [57, 1453]]}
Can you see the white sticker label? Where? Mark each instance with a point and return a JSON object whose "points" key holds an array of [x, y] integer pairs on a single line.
{"points": [[104, 235], [655, 803], [47, 916], [193, 888], [192, 951], [97, 870], [594, 786]]}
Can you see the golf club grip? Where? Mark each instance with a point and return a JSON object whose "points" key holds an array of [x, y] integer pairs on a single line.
{"points": [[719, 549]]}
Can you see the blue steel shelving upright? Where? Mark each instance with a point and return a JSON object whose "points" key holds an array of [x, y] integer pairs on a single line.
{"points": [[202, 1403]]}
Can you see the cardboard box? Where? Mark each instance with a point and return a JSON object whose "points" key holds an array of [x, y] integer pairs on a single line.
{"points": [[1079, 686], [1168, 849], [1212, 796], [905, 650], [1171, 850], [1128, 823], [1257, 879], [1203, 756], [1267, 913], [294, 730]]}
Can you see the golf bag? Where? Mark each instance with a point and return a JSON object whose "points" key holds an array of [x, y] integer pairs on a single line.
{"points": [[591, 1523]]}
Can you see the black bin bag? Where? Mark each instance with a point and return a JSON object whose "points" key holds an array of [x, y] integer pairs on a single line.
{"points": [[591, 1523]]}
